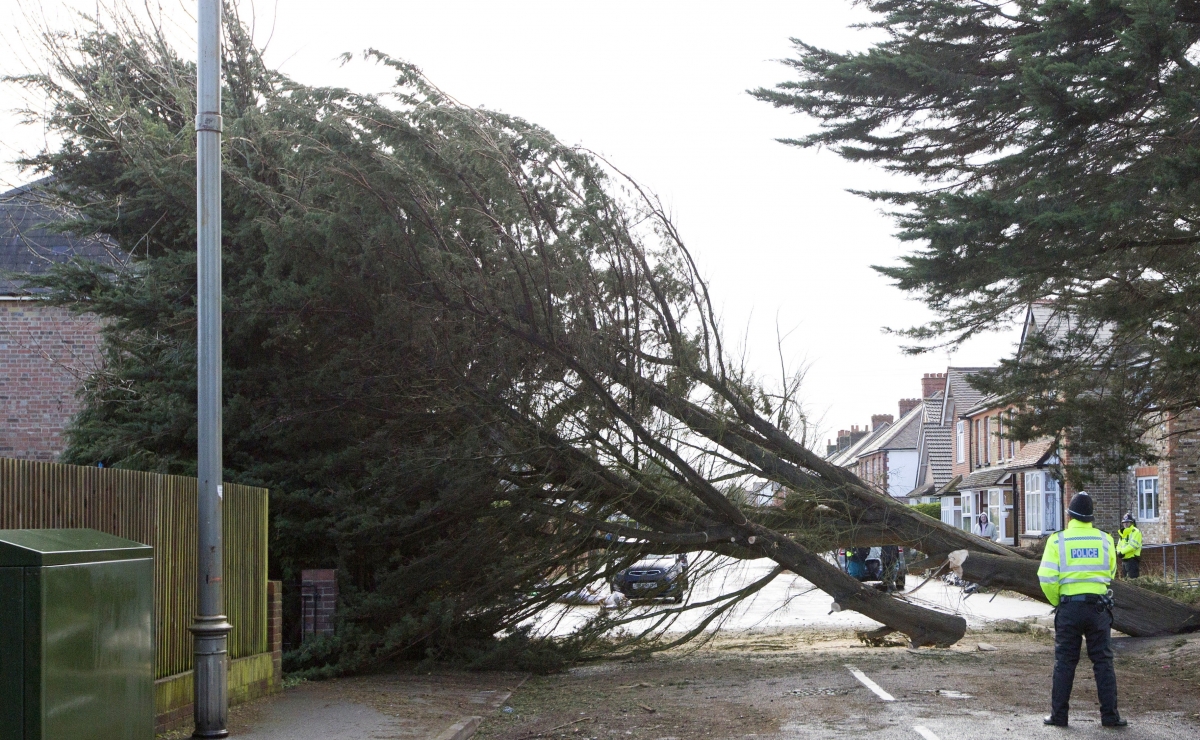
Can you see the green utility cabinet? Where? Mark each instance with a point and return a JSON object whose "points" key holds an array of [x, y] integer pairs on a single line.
{"points": [[76, 636]]}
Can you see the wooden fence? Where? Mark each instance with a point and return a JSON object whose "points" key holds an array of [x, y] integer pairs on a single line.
{"points": [[158, 510]]}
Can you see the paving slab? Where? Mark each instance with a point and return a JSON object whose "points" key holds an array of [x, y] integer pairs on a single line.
{"points": [[375, 707]]}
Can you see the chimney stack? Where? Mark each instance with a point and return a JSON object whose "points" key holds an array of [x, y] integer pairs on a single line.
{"points": [[878, 420], [932, 383], [908, 404]]}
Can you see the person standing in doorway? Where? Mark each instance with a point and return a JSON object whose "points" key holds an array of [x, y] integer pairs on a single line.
{"points": [[984, 527], [1077, 568], [1129, 547]]}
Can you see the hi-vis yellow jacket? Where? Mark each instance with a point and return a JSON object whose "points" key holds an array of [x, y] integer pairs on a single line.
{"points": [[1078, 560], [1130, 544]]}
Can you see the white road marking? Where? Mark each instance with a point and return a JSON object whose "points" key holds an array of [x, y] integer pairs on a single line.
{"points": [[862, 678], [925, 732]]}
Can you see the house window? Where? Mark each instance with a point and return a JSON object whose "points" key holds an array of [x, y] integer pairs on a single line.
{"points": [[1042, 503], [987, 440], [999, 438], [978, 443], [1147, 499], [951, 511], [1012, 443], [967, 511], [960, 442]]}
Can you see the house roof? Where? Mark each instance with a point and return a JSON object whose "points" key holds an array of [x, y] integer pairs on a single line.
{"points": [[938, 445], [1033, 453], [1045, 317], [899, 435], [850, 454], [28, 247], [934, 458], [990, 401], [960, 394], [983, 478], [933, 408]]}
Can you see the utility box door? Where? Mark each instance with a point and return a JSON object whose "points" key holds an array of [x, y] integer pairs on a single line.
{"points": [[76, 636]]}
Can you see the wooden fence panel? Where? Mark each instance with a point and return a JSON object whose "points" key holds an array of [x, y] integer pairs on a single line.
{"points": [[157, 510]]}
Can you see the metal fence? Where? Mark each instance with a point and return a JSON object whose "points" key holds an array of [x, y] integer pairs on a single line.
{"points": [[1179, 561], [158, 510]]}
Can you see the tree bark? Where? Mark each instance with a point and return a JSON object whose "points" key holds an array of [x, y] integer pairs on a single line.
{"points": [[1139, 613], [923, 627]]}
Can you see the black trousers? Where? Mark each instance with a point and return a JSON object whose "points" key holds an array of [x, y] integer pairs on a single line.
{"points": [[1131, 567], [1075, 621]]}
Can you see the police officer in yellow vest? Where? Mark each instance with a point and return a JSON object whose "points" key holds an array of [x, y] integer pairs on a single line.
{"points": [[1077, 567], [1129, 547]]}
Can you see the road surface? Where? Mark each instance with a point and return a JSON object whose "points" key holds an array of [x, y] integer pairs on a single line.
{"points": [[792, 602]]}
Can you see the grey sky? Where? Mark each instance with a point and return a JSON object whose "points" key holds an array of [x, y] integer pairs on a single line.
{"points": [[659, 89]]}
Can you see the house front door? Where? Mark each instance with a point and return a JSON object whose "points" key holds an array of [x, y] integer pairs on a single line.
{"points": [[1000, 511]]}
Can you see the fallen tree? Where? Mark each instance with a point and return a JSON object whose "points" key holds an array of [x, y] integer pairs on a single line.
{"points": [[1138, 612], [449, 334]]}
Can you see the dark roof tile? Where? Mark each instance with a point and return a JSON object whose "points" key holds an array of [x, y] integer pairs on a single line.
{"points": [[28, 247]]}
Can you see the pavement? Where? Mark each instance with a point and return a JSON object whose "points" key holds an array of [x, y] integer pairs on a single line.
{"points": [[442, 705]]}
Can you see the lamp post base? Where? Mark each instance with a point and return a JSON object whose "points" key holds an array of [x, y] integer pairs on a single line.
{"points": [[211, 676]]}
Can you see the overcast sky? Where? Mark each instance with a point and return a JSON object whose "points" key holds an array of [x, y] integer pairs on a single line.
{"points": [[659, 88]]}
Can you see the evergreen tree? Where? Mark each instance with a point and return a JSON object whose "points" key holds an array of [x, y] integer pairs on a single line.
{"points": [[1058, 152], [476, 367]]}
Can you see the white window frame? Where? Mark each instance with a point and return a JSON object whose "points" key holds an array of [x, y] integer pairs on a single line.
{"points": [[1000, 437], [1043, 500], [952, 510], [960, 436], [966, 510], [1148, 501], [1034, 505]]}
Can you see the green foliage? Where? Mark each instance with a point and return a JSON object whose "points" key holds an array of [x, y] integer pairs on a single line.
{"points": [[933, 510], [1168, 587], [349, 389], [1059, 159]]}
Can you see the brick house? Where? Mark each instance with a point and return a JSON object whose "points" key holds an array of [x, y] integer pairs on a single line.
{"points": [[45, 351], [1021, 486], [886, 457]]}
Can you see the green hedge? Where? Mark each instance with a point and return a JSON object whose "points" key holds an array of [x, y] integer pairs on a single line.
{"points": [[934, 509]]}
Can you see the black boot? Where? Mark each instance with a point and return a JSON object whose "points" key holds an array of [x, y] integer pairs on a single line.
{"points": [[1049, 720]]}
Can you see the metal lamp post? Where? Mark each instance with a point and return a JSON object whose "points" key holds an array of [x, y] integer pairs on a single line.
{"points": [[211, 629]]}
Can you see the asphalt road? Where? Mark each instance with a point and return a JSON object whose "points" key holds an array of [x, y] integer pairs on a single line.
{"points": [[802, 684], [879, 715], [791, 602]]}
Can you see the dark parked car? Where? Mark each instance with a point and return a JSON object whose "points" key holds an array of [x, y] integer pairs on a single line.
{"points": [[663, 577], [884, 565]]}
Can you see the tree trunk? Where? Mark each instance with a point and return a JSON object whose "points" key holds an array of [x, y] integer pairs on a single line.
{"points": [[923, 627], [1139, 613]]}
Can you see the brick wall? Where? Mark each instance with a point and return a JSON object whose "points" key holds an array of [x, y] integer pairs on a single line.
{"points": [[1169, 561], [45, 352], [318, 599], [1179, 477], [275, 629]]}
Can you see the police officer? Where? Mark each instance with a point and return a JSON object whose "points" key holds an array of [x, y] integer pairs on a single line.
{"points": [[1129, 547], [1077, 567]]}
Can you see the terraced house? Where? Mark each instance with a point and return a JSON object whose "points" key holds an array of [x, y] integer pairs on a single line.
{"points": [[1021, 488]]}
